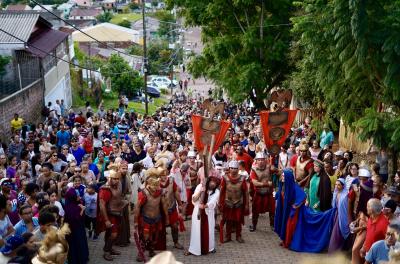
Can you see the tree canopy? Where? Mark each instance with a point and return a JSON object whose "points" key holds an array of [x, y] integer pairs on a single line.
{"points": [[346, 55], [246, 44], [124, 79]]}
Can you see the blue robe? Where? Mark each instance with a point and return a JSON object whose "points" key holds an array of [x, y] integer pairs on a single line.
{"points": [[313, 230], [293, 195]]}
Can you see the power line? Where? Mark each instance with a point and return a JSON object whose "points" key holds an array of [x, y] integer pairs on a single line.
{"points": [[69, 62], [72, 25]]}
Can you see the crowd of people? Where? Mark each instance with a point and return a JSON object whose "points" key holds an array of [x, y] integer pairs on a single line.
{"points": [[79, 174]]}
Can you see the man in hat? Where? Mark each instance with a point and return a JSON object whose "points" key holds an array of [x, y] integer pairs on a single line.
{"points": [[261, 190], [107, 148], [304, 166], [13, 243], [109, 214], [148, 220], [171, 199], [233, 203]]}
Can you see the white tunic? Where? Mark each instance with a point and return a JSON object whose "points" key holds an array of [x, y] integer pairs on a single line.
{"points": [[195, 235]]}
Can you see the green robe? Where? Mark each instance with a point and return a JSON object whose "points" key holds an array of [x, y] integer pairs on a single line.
{"points": [[313, 197]]}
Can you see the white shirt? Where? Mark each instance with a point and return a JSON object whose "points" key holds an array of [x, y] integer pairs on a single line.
{"points": [[57, 108]]}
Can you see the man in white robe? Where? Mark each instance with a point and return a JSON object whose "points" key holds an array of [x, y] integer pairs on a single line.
{"points": [[195, 247]]}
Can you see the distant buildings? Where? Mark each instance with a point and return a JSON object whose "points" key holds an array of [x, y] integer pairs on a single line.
{"points": [[111, 35], [38, 71]]}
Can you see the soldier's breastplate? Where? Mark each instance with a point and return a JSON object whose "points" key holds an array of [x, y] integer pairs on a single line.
{"points": [[234, 197], [169, 196], [301, 169], [263, 175], [151, 209], [115, 205]]}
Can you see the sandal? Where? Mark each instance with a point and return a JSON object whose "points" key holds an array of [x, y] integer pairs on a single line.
{"points": [[108, 257], [178, 246], [187, 253]]}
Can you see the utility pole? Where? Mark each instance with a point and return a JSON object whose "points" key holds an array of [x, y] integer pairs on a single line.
{"points": [[145, 58]]}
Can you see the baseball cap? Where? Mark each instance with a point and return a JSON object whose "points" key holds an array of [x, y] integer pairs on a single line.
{"points": [[12, 243], [5, 182]]}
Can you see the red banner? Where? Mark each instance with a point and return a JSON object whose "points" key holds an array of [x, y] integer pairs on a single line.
{"points": [[204, 128], [276, 127]]}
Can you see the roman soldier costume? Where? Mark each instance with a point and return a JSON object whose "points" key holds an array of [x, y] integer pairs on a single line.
{"points": [[148, 213], [170, 194], [261, 190], [110, 207], [233, 202]]}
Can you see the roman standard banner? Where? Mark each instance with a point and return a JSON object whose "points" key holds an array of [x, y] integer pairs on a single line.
{"points": [[204, 128], [276, 127]]}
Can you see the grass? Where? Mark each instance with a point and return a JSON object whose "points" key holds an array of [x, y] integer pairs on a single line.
{"points": [[118, 18], [137, 107]]}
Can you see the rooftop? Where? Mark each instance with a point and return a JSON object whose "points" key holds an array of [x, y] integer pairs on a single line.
{"points": [[19, 24], [106, 32], [81, 12]]}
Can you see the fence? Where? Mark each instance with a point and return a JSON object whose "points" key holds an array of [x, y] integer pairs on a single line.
{"points": [[303, 113], [21, 72]]}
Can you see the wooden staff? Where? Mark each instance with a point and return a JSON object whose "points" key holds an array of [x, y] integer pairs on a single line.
{"points": [[206, 167]]}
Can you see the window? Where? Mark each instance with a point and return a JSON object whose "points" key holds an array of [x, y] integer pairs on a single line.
{"points": [[49, 62]]}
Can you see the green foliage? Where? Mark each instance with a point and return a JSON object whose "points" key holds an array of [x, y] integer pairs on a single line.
{"points": [[133, 5], [161, 58], [105, 17], [164, 91], [124, 79], [246, 44], [4, 60], [135, 50], [125, 23], [346, 55], [166, 29]]}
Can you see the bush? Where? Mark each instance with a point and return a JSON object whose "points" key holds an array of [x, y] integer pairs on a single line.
{"points": [[164, 91]]}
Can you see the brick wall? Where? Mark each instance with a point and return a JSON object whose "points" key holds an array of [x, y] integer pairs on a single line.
{"points": [[28, 103]]}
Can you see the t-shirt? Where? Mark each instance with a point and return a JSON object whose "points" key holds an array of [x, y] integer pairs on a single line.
{"points": [[91, 204], [21, 228], [17, 124], [78, 154], [375, 231], [378, 252], [4, 224], [63, 138]]}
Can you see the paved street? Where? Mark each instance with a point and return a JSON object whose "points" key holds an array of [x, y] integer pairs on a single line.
{"points": [[261, 246]]}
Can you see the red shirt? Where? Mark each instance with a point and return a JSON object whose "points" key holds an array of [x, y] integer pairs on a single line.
{"points": [[248, 161], [293, 161], [376, 230], [107, 150]]}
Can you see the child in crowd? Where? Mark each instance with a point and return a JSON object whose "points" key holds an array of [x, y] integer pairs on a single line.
{"points": [[242, 170], [90, 198]]}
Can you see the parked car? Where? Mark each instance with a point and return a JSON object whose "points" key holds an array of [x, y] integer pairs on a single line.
{"points": [[163, 82], [153, 91]]}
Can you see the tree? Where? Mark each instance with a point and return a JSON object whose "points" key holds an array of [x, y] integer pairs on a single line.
{"points": [[125, 23], [124, 79], [133, 5], [4, 60], [167, 28], [105, 17], [135, 50], [246, 44], [348, 53]]}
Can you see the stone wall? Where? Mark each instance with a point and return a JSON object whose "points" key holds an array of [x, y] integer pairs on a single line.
{"points": [[28, 103]]}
